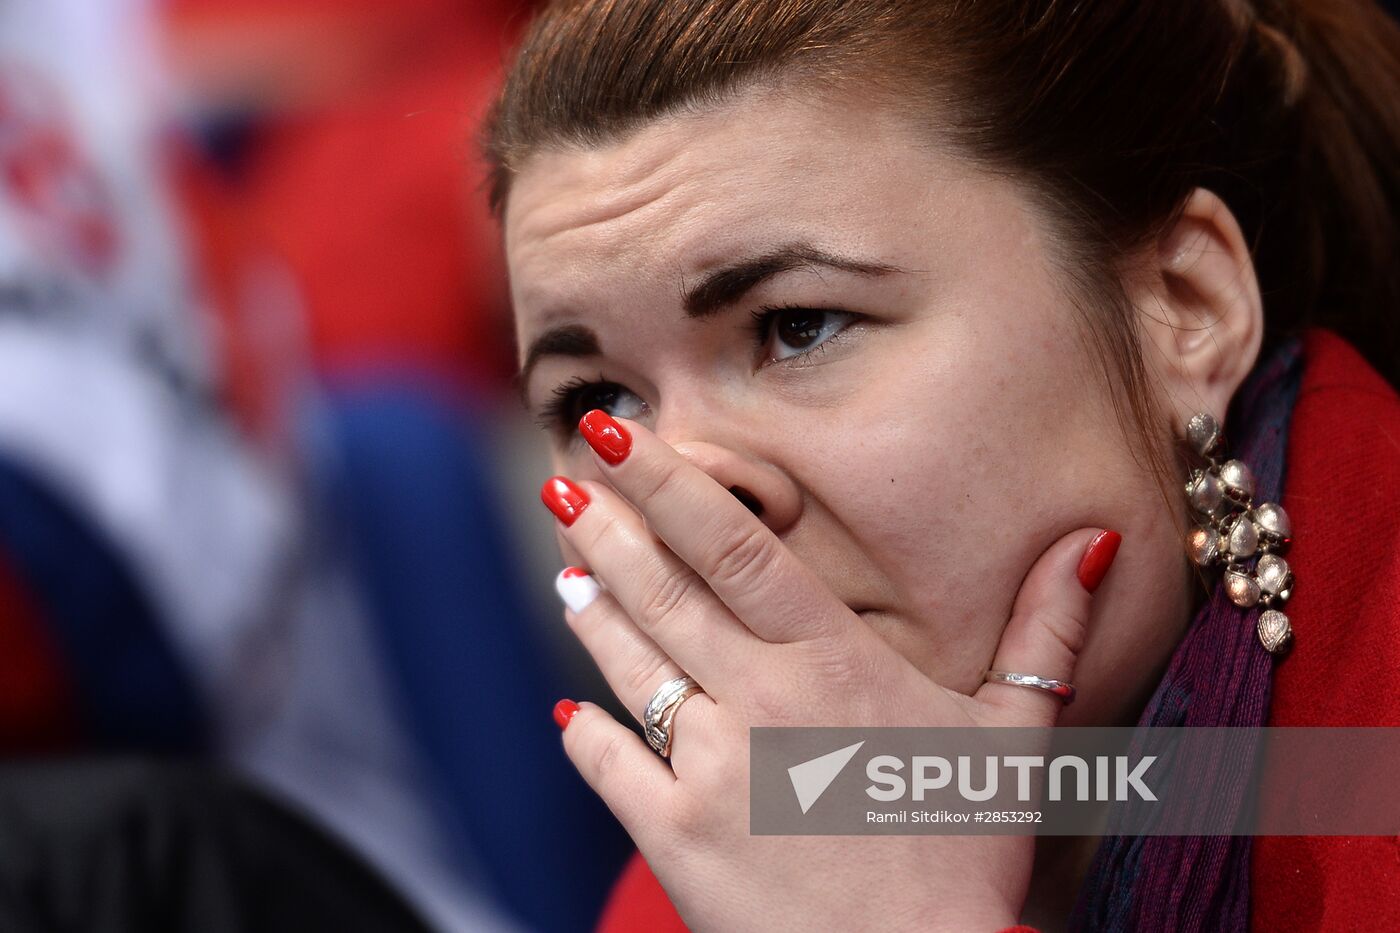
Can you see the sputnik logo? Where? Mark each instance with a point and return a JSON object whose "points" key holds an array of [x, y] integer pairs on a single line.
{"points": [[811, 778]]}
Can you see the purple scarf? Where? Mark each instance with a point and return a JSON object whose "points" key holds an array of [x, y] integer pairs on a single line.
{"points": [[1219, 676]]}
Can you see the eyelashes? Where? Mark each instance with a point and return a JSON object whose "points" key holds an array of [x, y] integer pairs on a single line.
{"points": [[557, 413], [571, 400], [760, 321]]}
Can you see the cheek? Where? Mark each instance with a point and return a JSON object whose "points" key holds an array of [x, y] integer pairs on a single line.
{"points": [[978, 450]]}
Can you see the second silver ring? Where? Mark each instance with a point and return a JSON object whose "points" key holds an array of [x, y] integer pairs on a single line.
{"points": [[1062, 689]]}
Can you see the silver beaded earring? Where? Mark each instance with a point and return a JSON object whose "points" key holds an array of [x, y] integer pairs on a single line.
{"points": [[1247, 540]]}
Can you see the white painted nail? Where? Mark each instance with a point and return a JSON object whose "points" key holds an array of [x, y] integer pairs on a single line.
{"points": [[577, 588]]}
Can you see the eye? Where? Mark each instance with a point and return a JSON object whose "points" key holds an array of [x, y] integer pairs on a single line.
{"points": [[787, 333], [577, 397]]}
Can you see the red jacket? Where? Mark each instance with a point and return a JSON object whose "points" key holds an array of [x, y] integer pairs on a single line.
{"points": [[1342, 491]]}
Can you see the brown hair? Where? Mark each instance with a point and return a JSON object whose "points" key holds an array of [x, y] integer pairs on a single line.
{"points": [[1114, 111]]}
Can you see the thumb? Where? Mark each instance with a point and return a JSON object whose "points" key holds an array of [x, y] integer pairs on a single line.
{"points": [[1048, 624]]}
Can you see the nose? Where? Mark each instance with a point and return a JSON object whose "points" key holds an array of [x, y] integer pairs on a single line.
{"points": [[764, 488]]}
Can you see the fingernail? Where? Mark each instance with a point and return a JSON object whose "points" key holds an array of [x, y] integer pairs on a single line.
{"points": [[1098, 557], [576, 587], [564, 711], [606, 436], [565, 499]]}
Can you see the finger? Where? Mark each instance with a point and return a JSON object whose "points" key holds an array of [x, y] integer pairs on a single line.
{"points": [[1049, 622], [632, 664], [666, 600], [622, 769], [773, 593]]}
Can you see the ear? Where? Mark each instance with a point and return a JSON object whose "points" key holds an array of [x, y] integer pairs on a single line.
{"points": [[1200, 307]]}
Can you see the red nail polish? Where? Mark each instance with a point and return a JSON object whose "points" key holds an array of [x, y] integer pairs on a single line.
{"points": [[565, 499], [1098, 557], [606, 436], [564, 711]]}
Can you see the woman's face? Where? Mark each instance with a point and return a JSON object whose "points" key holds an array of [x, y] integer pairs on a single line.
{"points": [[865, 336]]}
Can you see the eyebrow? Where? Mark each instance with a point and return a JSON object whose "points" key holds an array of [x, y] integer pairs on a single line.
{"points": [[714, 292], [724, 286], [564, 340]]}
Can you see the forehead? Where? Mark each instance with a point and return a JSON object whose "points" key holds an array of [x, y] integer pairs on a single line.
{"points": [[686, 192]]}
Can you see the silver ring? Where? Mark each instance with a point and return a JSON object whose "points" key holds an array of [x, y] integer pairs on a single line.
{"points": [[1061, 689], [661, 709]]}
